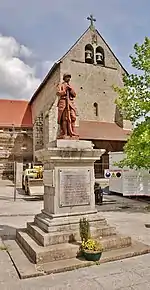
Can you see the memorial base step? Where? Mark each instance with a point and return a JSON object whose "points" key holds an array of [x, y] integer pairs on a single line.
{"points": [[69, 222], [53, 238], [39, 254]]}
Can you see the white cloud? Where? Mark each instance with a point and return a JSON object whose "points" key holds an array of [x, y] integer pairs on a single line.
{"points": [[46, 66], [17, 78], [43, 67], [9, 47]]}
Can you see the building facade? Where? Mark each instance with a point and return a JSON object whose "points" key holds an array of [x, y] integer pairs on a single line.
{"points": [[16, 135], [94, 69]]}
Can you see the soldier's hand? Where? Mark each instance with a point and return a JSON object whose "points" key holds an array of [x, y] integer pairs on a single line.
{"points": [[68, 88]]}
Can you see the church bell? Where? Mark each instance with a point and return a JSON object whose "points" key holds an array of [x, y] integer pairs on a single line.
{"points": [[99, 57], [88, 55]]}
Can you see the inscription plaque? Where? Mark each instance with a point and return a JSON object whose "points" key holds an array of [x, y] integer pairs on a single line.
{"points": [[75, 187]]}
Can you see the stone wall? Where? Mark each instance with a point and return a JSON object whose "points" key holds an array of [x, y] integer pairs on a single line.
{"points": [[15, 145], [94, 83], [53, 126], [43, 108], [38, 129], [46, 131]]}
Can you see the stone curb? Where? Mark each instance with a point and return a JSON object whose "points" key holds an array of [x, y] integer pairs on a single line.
{"points": [[15, 215], [26, 269]]}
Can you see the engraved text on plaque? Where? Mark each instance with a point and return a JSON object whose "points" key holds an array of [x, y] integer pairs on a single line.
{"points": [[75, 187]]}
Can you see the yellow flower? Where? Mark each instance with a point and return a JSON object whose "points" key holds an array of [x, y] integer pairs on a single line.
{"points": [[92, 245]]}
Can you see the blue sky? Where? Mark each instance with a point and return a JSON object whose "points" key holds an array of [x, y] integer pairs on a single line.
{"points": [[48, 28]]}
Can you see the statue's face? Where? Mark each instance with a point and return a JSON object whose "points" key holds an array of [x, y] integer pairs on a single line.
{"points": [[67, 79]]}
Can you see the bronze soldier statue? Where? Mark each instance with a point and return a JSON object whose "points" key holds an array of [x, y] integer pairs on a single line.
{"points": [[66, 108]]}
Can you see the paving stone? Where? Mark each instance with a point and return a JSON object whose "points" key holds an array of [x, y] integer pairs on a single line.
{"points": [[144, 286], [84, 278], [24, 267], [27, 269], [143, 273], [7, 270], [126, 279]]}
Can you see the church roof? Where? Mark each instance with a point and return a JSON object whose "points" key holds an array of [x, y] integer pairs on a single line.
{"points": [[55, 65], [15, 112], [91, 130]]}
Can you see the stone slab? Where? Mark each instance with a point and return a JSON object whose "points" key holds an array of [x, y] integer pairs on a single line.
{"points": [[48, 177], [75, 187], [54, 238], [79, 144], [54, 154], [7, 271], [26, 269], [22, 264], [67, 222], [39, 254]]}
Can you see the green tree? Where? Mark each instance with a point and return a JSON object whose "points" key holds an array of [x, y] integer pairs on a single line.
{"points": [[134, 103]]}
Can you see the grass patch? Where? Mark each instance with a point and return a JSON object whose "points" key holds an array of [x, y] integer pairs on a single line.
{"points": [[3, 248], [97, 263]]}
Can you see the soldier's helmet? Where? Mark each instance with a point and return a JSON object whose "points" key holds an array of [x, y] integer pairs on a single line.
{"points": [[66, 75]]}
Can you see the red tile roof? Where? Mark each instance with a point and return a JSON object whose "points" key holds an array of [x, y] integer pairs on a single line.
{"points": [[19, 114], [15, 112], [91, 130]]}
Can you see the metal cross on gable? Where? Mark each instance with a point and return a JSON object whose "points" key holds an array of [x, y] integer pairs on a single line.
{"points": [[92, 20]]}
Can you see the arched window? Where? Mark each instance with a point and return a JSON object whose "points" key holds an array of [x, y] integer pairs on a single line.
{"points": [[95, 109], [89, 53], [100, 56]]}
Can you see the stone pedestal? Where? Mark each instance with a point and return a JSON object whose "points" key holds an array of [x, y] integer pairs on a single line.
{"points": [[68, 182], [68, 196]]}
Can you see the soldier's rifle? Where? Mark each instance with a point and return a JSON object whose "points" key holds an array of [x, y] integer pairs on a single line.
{"points": [[68, 112]]}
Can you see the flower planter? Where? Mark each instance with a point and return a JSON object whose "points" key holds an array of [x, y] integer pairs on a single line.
{"points": [[92, 256]]}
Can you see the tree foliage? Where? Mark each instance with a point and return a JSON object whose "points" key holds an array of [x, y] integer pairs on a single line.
{"points": [[134, 103]]}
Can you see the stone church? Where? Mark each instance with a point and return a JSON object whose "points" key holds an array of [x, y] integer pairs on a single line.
{"points": [[33, 125]]}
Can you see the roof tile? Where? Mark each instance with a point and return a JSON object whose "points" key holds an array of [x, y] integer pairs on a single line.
{"points": [[15, 112], [91, 130]]}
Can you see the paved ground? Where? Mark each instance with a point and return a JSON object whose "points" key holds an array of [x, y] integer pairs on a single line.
{"points": [[128, 274], [120, 204]]}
